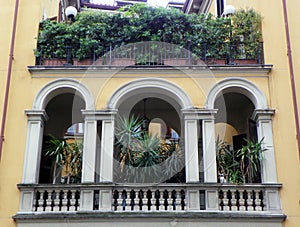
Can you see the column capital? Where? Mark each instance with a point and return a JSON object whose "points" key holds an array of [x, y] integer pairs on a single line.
{"points": [[36, 115], [263, 114], [105, 114], [198, 114]]}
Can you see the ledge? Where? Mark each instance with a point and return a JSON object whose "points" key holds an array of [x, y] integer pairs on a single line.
{"points": [[106, 69], [199, 215], [142, 185]]}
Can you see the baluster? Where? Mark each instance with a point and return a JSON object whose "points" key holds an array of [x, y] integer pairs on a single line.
{"points": [[64, 201], [145, 201], [153, 200], [250, 200], [226, 201], [234, 200], [178, 200], [45, 197], [119, 201], [242, 201], [257, 201], [72, 200], [170, 201], [127, 202], [161, 200], [136, 202]]}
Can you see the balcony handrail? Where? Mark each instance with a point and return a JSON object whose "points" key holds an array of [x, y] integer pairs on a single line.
{"points": [[149, 197], [163, 54]]}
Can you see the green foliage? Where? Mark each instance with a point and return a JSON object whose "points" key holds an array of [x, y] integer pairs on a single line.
{"points": [[246, 28], [144, 157], [250, 156], [67, 156], [94, 30], [241, 166]]}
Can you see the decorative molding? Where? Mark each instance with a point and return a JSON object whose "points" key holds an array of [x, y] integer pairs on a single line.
{"points": [[60, 86], [240, 85], [153, 86]]}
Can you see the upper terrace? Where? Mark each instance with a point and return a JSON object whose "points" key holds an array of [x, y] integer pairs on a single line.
{"points": [[149, 36]]}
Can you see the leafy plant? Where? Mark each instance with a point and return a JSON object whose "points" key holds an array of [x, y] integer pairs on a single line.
{"points": [[67, 157], [97, 31], [241, 166], [144, 157], [250, 157]]}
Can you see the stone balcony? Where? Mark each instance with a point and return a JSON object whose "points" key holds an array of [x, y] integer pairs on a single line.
{"points": [[203, 200]]}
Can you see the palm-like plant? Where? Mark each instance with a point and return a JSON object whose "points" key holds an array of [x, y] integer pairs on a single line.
{"points": [[251, 156], [67, 156], [241, 166], [227, 163], [144, 157], [148, 158], [128, 133]]}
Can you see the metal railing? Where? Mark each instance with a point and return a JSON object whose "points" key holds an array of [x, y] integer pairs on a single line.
{"points": [[165, 54]]}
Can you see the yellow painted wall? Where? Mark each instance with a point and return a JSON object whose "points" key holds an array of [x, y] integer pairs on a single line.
{"points": [[25, 86]]}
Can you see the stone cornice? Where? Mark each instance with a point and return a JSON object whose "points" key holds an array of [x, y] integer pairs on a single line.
{"points": [[194, 69]]}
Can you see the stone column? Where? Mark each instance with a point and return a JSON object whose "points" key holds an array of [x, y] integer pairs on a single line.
{"points": [[191, 124], [89, 147], [209, 149], [190, 118], [36, 119], [107, 145], [265, 132]]}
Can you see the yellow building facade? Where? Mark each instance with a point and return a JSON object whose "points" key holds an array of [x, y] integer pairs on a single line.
{"points": [[44, 100]]}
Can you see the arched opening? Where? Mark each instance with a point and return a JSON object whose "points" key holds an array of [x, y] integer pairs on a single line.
{"points": [[236, 135], [155, 153], [62, 139], [235, 109]]}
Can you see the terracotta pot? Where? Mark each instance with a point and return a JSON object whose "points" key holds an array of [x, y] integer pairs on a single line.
{"points": [[213, 61], [177, 61], [82, 62], [54, 61], [122, 61]]}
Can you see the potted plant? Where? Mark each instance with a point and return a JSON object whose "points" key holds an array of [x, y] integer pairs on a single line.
{"points": [[54, 42], [143, 157], [67, 160], [241, 166], [87, 52]]}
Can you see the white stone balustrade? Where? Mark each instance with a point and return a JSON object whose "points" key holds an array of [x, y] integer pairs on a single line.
{"points": [[149, 198]]}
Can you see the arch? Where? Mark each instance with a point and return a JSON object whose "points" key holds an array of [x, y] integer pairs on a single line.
{"points": [[60, 86], [154, 86], [239, 85]]}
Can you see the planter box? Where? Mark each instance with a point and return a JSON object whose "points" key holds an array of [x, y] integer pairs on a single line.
{"points": [[213, 61], [54, 61], [82, 62], [177, 61], [122, 61]]}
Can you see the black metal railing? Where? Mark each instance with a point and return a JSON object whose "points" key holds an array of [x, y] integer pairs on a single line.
{"points": [[164, 54]]}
